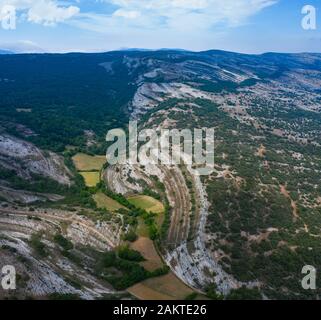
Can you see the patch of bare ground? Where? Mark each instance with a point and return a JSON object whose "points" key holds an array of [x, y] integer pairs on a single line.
{"points": [[293, 203], [262, 235], [167, 287], [147, 248], [261, 151], [318, 202]]}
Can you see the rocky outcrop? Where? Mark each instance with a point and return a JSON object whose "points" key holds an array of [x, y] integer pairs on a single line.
{"points": [[44, 275], [26, 160]]}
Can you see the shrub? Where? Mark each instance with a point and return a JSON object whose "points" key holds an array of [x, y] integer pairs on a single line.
{"points": [[63, 242]]}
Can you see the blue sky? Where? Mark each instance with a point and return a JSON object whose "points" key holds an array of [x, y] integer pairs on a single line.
{"points": [[251, 26]]}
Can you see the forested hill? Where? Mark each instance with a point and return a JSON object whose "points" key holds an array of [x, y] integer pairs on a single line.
{"points": [[70, 93]]}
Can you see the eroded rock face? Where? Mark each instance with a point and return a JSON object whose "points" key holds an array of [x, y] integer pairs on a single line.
{"points": [[193, 262], [41, 276], [26, 197], [26, 159], [149, 95]]}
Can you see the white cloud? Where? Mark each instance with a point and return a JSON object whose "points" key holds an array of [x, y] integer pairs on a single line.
{"points": [[46, 12], [49, 13], [232, 12], [172, 15], [126, 14], [180, 15]]}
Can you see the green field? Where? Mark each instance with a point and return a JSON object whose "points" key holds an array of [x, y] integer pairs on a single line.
{"points": [[150, 205], [142, 228], [103, 201], [147, 203], [91, 178], [89, 167]]}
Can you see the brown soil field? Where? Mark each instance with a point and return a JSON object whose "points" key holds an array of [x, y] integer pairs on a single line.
{"points": [[166, 287], [85, 162], [146, 247]]}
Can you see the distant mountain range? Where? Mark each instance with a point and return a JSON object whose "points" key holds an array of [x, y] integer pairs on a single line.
{"points": [[20, 47], [6, 52], [31, 48]]}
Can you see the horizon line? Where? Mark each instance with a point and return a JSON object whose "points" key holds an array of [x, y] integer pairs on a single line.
{"points": [[182, 50]]}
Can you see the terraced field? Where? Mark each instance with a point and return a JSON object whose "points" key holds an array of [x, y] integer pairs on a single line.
{"points": [[166, 287], [89, 167]]}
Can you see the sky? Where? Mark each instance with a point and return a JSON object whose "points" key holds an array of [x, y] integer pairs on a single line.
{"points": [[249, 26]]}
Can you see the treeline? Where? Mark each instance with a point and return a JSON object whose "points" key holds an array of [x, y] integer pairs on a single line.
{"points": [[167, 208], [125, 261], [148, 217], [36, 183]]}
